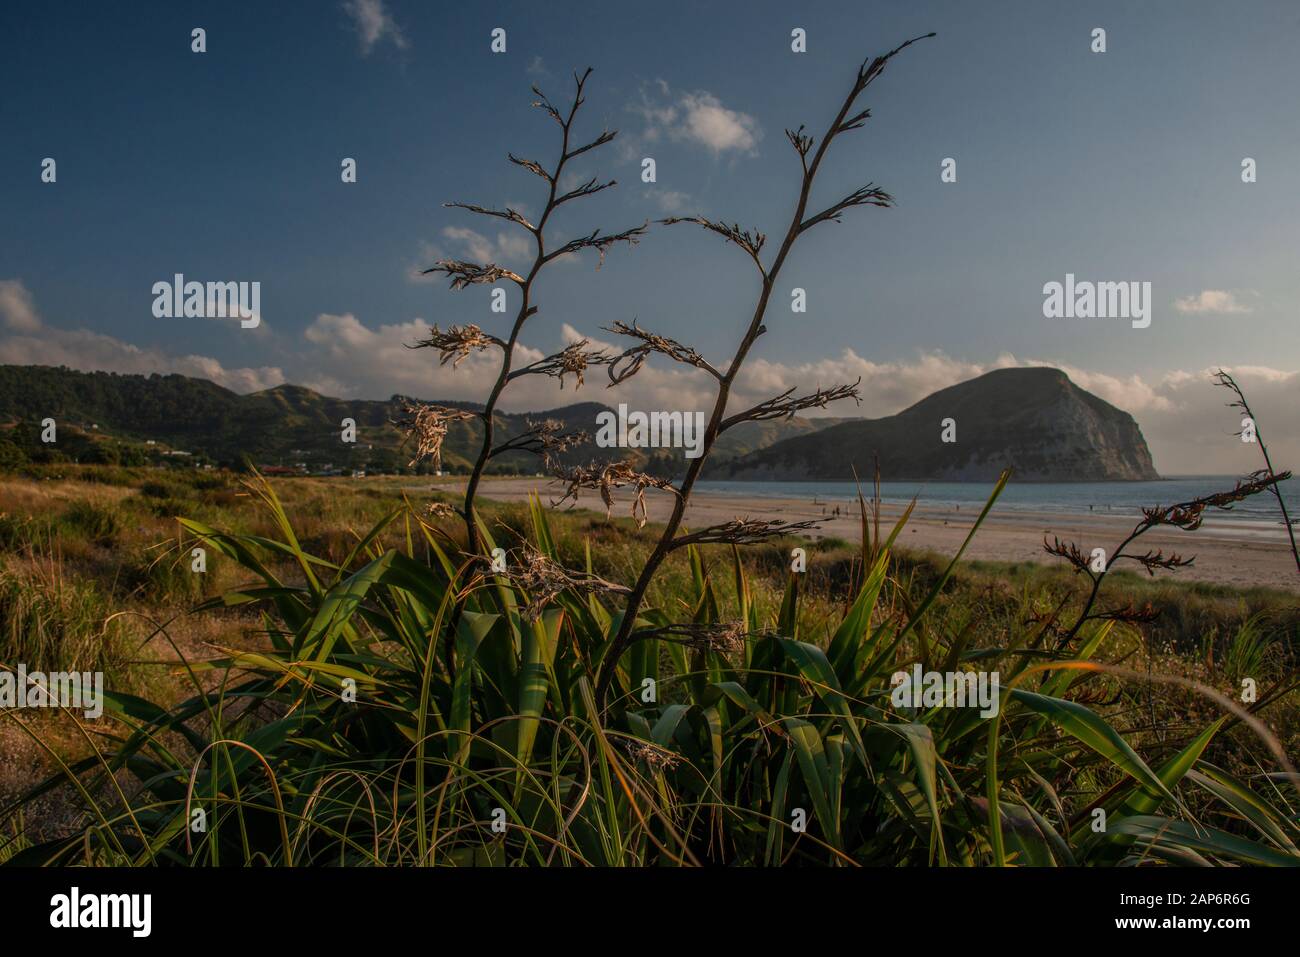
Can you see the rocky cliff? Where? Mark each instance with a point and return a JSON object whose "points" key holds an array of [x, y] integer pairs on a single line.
{"points": [[1035, 421]]}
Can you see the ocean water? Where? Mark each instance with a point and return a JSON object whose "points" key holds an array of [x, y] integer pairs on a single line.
{"points": [[1257, 516]]}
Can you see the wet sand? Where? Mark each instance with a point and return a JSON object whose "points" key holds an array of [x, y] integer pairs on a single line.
{"points": [[1225, 556]]}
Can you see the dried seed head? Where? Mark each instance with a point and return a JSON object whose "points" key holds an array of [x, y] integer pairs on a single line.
{"points": [[439, 510], [465, 274], [605, 479], [744, 531], [629, 362], [456, 343], [723, 638], [543, 579], [554, 441], [574, 359], [653, 756], [428, 425]]}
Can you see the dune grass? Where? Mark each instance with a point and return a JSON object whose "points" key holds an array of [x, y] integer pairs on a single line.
{"points": [[379, 702]]}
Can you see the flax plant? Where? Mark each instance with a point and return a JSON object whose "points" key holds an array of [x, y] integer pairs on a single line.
{"points": [[457, 343], [811, 154]]}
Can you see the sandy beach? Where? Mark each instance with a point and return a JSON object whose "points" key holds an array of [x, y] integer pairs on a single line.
{"points": [[1229, 557]]}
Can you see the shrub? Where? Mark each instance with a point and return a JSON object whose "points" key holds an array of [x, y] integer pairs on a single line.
{"points": [[98, 523], [158, 490], [51, 622], [15, 531], [12, 457], [161, 577]]}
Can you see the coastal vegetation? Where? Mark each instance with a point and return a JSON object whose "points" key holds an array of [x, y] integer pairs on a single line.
{"points": [[378, 671], [228, 692]]}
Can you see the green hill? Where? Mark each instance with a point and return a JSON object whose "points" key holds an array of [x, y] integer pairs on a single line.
{"points": [[284, 425]]}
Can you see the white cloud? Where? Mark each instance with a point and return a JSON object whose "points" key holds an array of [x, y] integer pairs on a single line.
{"points": [[706, 121], [1194, 431], [350, 359], [886, 387], [374, 24], [1211, 300], [17, 311], [669, 200], [697, 117], [509, 248], [34, 342], [86, 350], [1132, 394]]}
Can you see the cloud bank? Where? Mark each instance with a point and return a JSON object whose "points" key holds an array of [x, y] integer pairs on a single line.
{"points": [[31, 341], [1182, 413]]}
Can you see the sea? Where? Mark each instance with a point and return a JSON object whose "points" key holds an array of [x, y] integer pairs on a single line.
{"points": [[1256, 517]]}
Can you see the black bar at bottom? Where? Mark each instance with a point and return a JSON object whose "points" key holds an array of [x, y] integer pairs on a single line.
{"points": [[337, 907]]}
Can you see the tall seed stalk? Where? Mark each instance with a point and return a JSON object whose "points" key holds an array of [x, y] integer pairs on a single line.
{"points": [[787, 403], [456, 343], [1229, 383]]}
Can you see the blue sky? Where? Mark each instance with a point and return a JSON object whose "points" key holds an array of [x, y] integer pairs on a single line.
{"points": [[1123, 165]]}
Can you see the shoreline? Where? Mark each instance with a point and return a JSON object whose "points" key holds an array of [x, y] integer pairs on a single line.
{"points": [[1225, 555]]}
